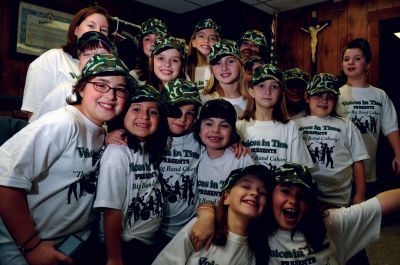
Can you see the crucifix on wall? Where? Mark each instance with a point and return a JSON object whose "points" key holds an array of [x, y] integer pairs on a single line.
{"points": [[313, 29]]}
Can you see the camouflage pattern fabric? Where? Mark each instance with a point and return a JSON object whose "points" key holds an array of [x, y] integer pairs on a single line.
{"points": [[107, 65], [248, 63], [181, 90], [267, 72], [323, 82], [146, 93], [223, 48], [170, 42], [255, 36], [153, 26], [260, 171], [207, 24], [91, 36], [296, 73], [293, 173]]}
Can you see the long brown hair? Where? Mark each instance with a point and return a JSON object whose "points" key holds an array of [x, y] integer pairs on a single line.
{"points": [[80, 16]]}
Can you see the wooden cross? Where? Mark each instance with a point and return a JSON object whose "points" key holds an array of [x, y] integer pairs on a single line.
{"points": [[313, 29]]}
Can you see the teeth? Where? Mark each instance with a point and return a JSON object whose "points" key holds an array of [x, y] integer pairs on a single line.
{"points": [[290, 213]]}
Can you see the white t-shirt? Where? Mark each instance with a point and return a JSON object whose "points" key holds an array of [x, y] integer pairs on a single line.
{"points": [[179, 183], [202, 75], [55, 160], [334, 144], [273, 143], [371, 110], [47, 72], [238, 103], [212, 173], [349, 230], [180, 251], [54, 100], [128, 182]]}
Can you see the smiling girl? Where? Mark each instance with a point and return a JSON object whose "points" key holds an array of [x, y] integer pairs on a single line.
{"points": [[129, 192]]}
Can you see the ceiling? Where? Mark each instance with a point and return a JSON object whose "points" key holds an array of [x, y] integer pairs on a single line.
{"points": [[268, 6]]}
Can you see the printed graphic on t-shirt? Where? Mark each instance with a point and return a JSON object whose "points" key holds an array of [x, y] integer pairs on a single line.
{"points": [[146, 202], [270, 153], [364, 114], [86, 180], [181, 190], [320, 141], [210, 190]]}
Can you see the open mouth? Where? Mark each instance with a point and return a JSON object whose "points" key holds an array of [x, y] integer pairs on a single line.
{"points": [[290, 213]]}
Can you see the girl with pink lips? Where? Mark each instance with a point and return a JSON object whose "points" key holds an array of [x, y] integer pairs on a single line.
{"points": [[265, 129], [240, 224], [227, 79], [215, 130], [48, 170], [129, 192], [57, 66], [167, 61], [206, 34], [370, 109], [151, 30]]}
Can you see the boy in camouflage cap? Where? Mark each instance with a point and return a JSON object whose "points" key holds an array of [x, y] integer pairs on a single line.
{"points": [[223, 48], [296, 81], [252, 42]]}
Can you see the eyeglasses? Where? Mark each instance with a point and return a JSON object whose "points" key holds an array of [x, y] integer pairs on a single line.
{"points": [[104, 88]]}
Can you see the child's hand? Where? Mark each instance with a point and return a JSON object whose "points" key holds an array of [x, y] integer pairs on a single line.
{"points": [[202, 232], [115, 137], [239, 150], [46, 254]]}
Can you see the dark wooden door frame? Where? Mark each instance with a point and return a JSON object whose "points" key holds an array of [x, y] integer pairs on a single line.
{"points": [[373, 33]]}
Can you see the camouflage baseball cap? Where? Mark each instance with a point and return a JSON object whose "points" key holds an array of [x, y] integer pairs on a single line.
{"points": [[267, 72], [181, 90], [255, 36], [296, 74], [153, 26], [223, 48], [94, 36], [107, 65], [293, 173], [146, 93], [167, 43], [260, 171], [323, 83], [207, 24], [249, 62]]}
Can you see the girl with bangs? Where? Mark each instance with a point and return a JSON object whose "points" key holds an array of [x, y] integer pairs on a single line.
{"points": [[227, 76]]}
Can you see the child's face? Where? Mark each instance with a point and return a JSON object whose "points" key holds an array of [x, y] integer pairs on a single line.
{"points": [[354, 63], [182, 124], [247, 197], [204, 39], [289, 205], [100, 107], [248, 48], [94, 22], [249, 73], [148, 43], [87, 54], [266, 93], [294, 93], [142, 119], [167, 65], [215, 133], [321, 105], [227, 70]]}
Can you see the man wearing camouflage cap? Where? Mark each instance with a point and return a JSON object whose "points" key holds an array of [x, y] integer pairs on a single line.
{"points": [[296, 81], [252, 42]]}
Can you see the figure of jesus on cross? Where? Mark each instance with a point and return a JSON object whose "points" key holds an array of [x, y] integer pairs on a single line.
{"points": [[313, 30]]}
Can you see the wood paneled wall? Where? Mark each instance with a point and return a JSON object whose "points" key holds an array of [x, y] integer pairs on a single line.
{"points": [[353, 20]]}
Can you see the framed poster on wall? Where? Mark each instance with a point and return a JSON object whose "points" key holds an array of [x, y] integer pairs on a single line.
{"points": [[40, 29]]}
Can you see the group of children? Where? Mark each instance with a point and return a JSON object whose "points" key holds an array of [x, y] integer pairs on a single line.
{"points": [[176, 147]]}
